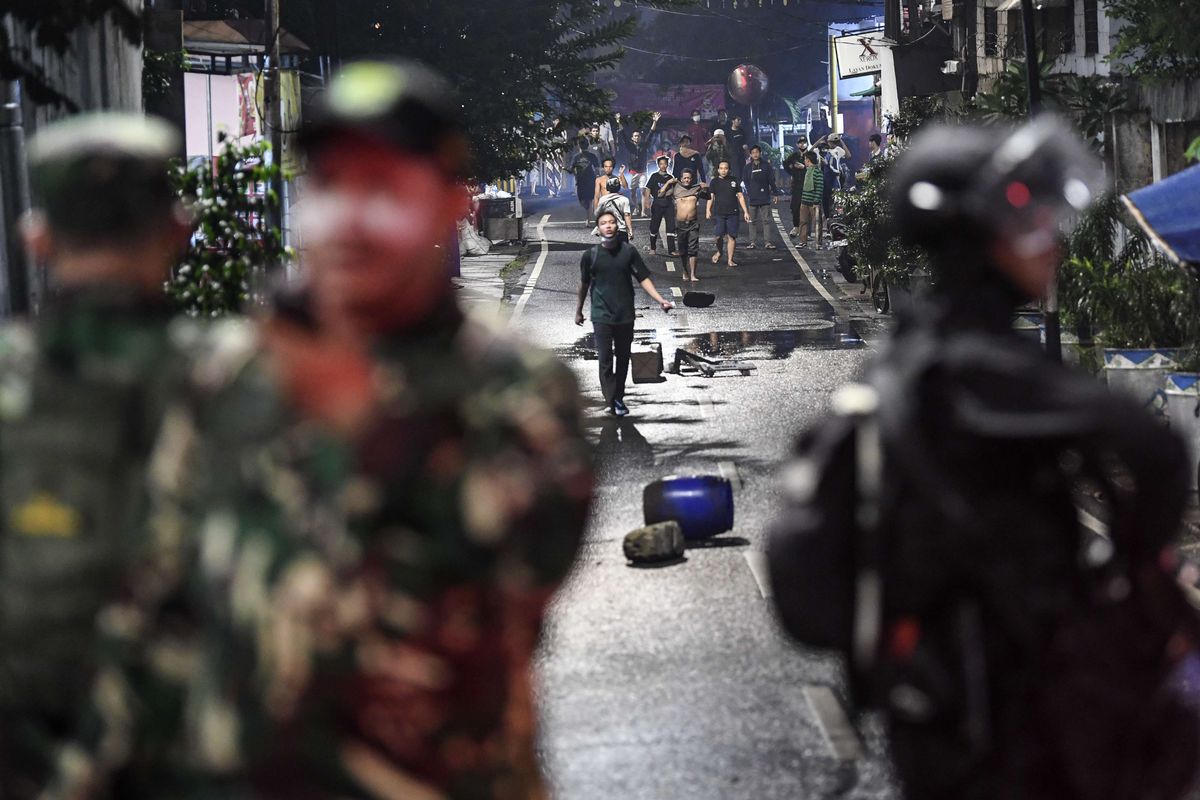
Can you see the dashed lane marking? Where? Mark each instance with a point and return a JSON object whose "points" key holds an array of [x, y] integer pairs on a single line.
{"points": [[757, 561], [835, 727], [531, 284], [1092, 522], [706, 407], [729, 471], [838, 308], [670, 265], [675, 290]]}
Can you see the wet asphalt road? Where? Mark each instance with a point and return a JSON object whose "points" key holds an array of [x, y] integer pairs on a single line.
{"points": [[675, 682]]}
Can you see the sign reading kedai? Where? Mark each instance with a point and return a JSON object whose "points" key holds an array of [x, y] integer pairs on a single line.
{"points": [[859, 53]]}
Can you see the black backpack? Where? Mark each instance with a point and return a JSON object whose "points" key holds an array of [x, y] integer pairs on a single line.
{"points": [[1108, 701]]}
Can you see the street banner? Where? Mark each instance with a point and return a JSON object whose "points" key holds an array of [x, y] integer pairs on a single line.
{"points": [[858, 53], [674, 101]]}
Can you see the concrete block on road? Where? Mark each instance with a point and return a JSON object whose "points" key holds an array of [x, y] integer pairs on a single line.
{"points": [[660, 542]]}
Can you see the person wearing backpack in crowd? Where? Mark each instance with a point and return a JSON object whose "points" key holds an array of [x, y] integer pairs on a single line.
{"points": [[635, 146], [86, 385], [794, 165], [662, 209], [584, 167], [606, 176], [608, 271], [615, 202], [812, 192], [933, 535], [688, 159], [759, 178]]}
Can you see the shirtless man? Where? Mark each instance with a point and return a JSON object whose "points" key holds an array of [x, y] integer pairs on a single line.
{"points": [[606, 172], [685, 191]]}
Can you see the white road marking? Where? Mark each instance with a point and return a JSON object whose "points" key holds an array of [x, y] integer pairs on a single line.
{"points": [[757, 561], [531, 284], [706, 407], [1091, 522], [675, 290], [835, 727], [808, 273], [670, 265], [729, 471]]}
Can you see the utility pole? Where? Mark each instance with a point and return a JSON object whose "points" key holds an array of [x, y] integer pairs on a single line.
{"points": [[14, 200], [272, 80], [1033, 80], [833, 87]]}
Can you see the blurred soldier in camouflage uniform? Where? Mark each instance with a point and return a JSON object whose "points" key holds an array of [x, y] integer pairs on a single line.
{"points": [[371, 583], [83, 392]]}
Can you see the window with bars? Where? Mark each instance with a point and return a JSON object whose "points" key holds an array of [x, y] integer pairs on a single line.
{"points": [[1091, 27], [991, 32]]}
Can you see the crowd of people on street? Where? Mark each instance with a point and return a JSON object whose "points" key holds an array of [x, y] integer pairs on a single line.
{"points": [[813, 172], [311, 553]]}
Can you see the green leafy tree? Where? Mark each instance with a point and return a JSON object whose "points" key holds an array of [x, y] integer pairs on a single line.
{"points": [[519, 66], [233, 241], [1157, 39], [1115, 283]]}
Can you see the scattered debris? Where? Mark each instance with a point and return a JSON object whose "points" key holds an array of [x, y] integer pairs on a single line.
{"points": [[662, 541]]}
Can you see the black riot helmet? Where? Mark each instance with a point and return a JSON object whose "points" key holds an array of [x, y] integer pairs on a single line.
{"points": [[959, 187]]}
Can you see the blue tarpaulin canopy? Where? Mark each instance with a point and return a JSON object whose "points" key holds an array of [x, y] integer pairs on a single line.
{"points": [[1169, 211]]}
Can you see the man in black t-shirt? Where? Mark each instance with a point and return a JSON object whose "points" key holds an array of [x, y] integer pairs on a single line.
{"points": [[662, 209], [723, 203], [605, 270], [739, 150]]}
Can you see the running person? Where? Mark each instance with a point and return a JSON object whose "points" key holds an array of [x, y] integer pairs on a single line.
{"points": [[661, 208], [605, 271], [723, 206], [686, 195]]}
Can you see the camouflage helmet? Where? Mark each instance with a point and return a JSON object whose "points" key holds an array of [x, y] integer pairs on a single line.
{"points": [[103, 176]]}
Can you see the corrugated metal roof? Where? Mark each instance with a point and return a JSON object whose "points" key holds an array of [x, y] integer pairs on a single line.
{"points": [[234, 36]]}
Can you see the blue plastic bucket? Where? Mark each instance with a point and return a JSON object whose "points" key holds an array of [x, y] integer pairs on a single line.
{"points": [[701, 504]]}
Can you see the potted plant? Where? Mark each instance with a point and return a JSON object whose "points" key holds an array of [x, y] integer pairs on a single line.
{"points": [[1143, 310]]}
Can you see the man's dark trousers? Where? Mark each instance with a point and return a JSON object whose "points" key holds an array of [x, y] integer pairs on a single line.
{"points": [[613, 344], [660, 212]]}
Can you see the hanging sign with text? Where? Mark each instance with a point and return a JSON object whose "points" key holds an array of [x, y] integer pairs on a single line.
{"points": [[859, 53]]}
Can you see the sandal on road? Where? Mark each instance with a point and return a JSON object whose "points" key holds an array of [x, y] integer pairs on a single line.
{"points": [[732, 265], [751, 246], [771, 246]]}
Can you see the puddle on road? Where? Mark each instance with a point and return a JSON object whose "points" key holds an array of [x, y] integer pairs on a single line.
{"points": [[770, 345]]}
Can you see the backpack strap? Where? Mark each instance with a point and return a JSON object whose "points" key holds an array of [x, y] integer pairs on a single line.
{"points": [[860, 402]]}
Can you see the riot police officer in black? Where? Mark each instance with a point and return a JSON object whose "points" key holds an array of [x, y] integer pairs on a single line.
{"points": [[1013, 653]]}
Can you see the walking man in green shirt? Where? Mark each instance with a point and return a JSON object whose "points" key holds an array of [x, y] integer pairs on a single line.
{"points": [[606, 270], [810, 196]]}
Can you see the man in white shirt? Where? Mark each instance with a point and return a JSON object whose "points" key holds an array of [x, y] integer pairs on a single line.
{"points": [[616, 203]]}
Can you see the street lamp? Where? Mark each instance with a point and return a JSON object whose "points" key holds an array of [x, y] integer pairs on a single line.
{"points": [[1034, 89]]}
